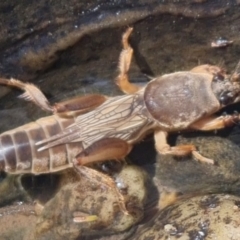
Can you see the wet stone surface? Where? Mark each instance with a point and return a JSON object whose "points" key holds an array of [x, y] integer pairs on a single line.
{"points": [[32, 35], [83, 207], [201, 217], [71, 49], [85, 198], [186, 175]]}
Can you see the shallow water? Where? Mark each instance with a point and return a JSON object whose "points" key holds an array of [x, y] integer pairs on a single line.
{"points": [[163, 43]]}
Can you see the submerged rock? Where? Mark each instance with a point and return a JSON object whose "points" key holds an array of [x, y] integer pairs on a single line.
{"points": [[202, 217]]}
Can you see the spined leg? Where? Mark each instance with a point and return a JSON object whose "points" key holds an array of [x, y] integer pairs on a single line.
{"points": [[214, 123], [182, 150], [104, 180], [32, 93], [72, 107], [103, 149], [124, 63]]}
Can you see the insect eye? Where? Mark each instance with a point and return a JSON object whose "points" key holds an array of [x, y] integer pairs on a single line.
{"points": [[218, 77], [226, 98]]}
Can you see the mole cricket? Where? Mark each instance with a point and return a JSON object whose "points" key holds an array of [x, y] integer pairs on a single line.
{"points": [[94, 128]]}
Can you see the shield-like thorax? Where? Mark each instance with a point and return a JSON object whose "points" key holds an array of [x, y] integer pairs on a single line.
{"points": [[177, 100]]}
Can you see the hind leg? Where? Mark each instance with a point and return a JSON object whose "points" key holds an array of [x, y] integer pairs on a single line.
{"points": [[124, 63], [69, 108]]}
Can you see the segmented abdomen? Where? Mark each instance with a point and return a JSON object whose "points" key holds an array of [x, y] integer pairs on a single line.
{"points": [[18, 153]]}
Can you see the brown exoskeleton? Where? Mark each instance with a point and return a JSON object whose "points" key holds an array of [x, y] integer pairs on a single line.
{"points": [[97, 128]]}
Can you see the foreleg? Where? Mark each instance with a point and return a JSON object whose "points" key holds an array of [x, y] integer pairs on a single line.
{"points": [[214, 123]]}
